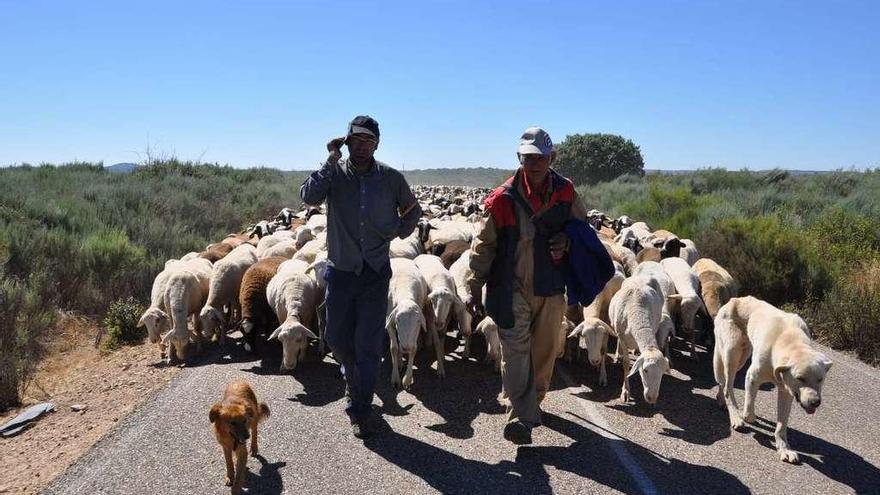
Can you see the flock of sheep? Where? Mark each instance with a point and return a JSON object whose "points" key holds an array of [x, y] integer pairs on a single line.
{"points": [[268, 282]]}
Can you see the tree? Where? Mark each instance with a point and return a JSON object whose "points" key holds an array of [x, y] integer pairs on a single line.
{"points": [[592, 158]]}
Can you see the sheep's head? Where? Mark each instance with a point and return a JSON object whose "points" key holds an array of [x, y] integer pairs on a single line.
{"points": [[592, 335], [317, 270], [671, 248], [408, 320], [302, 235], [690, 306], [211, 319], [156, 321], [179, 341], [489, 329], [294, 338], [442, 301], [651, 365]]}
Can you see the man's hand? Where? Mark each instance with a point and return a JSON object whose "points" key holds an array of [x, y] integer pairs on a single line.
{"points": [[558, 245], [474, 302], [335, 149]]}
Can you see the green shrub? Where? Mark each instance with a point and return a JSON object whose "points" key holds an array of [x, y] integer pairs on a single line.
{"points": [[849, 316], [769, 260], [120, 323]]}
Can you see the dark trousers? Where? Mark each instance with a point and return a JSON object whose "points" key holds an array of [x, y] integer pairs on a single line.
{"points": [[356, 310]]}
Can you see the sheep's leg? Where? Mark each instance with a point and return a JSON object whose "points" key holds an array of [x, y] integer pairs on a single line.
{"points": [[624, 391], [783, 409], [466, 353], [438, 346], [603, 376], [408, 377], [395, 359], [692, 335]]}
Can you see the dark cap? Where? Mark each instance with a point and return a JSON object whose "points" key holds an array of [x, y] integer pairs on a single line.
{"points": [[364, 124]]}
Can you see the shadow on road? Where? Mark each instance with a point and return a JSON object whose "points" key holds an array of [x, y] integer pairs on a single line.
{"points": [[268, 480], [589, 457], [833, 461]]}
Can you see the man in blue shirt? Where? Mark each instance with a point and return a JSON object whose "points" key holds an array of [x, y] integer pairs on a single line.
{"points": [[368, 204]]}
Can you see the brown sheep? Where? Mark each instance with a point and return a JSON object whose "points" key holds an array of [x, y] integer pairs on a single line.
{"points": [[649, 254], [256, 313], [236, 240], [453, 251], [717, 285], [216, 252]]}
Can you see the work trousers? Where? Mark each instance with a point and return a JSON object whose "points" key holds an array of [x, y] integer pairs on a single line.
{"points": [[356, 309], [528, 354]]}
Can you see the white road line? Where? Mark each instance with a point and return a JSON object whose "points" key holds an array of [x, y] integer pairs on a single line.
{"points": [[618, 444]]}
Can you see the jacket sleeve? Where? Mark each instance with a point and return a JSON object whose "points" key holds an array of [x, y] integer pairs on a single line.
{"points": [[408, 208], [317, 186], [577, 208], [483, 251]]}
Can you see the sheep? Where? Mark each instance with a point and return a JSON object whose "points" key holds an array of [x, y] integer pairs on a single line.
{"points": [[717, 285], [225, 285], [185, 292], [444, 232], [236, 240], [261, 229], [689, 252], [312, 248], [154, 318], [489, 329], [255, 310], [302, 235], [285, 248], [594, 330], [407, 294], [317, 223], [688, 286], [461, 273], [293, 296], [409, 247], [453, 251], [190, 255], [216, 252], [649, 254], [622, 255], [652, 270], [444, 301], [635, 313]]}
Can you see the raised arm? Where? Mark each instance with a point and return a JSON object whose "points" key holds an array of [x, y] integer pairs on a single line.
{"points": [[317, 186]]}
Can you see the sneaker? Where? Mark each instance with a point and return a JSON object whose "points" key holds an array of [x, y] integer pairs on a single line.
{"points": [[361, 429], [518, 433]]}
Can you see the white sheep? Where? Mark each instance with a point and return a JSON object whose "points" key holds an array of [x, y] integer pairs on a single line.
{"points": [[190, 255], [635, 313], [225, 285], [311, 249], [407, 295], [443, 298], [489, 329], [408, 247], [317, 223], [286, 248], [293, 296], [302, 235], [593, 332], [155, 318], [688, 287], [653, 270], [185, 292], [461, 272], [689, 252]]}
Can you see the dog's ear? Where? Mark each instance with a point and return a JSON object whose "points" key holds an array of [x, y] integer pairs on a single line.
{"points": [[214, 415], [825, 361], [778, 371]]}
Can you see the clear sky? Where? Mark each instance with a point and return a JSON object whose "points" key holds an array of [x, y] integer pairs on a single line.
{"points": [[701, 83]]}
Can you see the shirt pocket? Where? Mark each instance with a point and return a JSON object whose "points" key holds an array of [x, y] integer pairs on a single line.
{"points": [[383, 215]]}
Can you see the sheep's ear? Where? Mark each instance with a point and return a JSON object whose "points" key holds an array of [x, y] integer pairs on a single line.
{"points": [[636, 366], [577, 331], [778, 372], [167, 337], [214, 414], [141, 322], [608, 329], [275, 333], [674, 297], [308, 333], [665, 364]]}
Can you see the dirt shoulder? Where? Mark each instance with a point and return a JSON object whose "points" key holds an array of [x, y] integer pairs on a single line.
{"points": [[109, 385]]}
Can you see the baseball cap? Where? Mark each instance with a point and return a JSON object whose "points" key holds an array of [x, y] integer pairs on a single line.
{"points": [[535, 141], [364, 124]]}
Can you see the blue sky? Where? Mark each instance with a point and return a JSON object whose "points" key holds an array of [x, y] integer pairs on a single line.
{"points": [[694, 84]]}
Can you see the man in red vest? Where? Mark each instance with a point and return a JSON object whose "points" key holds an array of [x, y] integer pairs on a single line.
{"points": [[518, 257]]}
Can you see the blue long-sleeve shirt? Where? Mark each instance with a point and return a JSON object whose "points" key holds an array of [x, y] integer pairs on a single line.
{"points": [[364, 212]]}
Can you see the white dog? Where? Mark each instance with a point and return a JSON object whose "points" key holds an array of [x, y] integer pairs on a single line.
{"points": [[779, 344]]}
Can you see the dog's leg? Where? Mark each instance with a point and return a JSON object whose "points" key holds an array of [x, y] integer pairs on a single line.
{"points": [[731, 360], [255, 449], [783, 409], [718, 368], [230, 471], [751, 391], [240, 469]]}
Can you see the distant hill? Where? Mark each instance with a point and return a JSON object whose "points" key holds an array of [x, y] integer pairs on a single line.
{"points": [[473, 177], [123, 168]]}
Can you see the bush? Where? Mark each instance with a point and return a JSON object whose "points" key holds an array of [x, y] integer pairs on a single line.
{"points": [[770, 261], [849, 316], [120, 323]]}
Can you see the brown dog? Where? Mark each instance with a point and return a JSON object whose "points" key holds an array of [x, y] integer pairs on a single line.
{"points": [[235, 419]]}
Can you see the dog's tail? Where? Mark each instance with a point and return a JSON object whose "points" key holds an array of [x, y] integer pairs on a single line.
{"points": [[264, 412]]}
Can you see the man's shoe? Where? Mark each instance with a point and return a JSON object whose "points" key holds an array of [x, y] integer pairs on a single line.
{"points": [[361, 429], [518, 433]]}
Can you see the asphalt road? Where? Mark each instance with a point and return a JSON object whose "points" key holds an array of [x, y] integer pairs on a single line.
{"points": [[446, 436]]}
